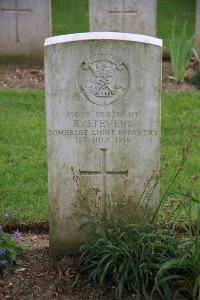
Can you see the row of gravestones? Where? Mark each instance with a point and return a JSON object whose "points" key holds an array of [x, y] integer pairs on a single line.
{"points": [[24, 24]]}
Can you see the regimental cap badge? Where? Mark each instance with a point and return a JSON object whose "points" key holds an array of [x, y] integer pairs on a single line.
{"points": [[102, 79]]}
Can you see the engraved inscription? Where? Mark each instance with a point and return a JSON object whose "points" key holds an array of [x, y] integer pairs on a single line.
{"points": [[16, 10], [102, 79], [103, 173], [104, 127]]}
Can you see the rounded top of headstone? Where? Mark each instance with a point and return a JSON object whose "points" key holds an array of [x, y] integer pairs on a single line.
{"points": [[86, 36]]}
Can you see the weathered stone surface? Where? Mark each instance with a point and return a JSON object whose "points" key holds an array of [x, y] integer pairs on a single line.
{"points": [[135, 16], [103, 119], [197, 30], [24, 25]]}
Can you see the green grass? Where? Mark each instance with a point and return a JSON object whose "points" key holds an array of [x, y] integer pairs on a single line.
{"points": [[179, 112], [71, 16], [23, 159]]}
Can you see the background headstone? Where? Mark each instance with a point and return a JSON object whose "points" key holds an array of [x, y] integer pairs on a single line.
{"points": [[103, 119], [197, 29], [24, 25], [136, 16]]}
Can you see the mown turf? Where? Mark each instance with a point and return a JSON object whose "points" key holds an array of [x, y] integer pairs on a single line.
{"points": [[69, 16], [23, 158], [180, 111], [23, 161]]}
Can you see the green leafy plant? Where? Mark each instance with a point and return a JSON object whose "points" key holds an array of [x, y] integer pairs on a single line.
{"points": [[196, 79], [180, 52], [129, 259], [145, 259], [10, 250], [184, 270]]}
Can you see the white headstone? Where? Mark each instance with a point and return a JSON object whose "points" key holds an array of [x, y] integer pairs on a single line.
{"points": [[103, 119], [136, 16], [197, 30], [24, 25]]}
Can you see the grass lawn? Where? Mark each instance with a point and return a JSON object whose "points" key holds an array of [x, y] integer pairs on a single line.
{"points": [[180, 111], [23, 160], [71, 16]]}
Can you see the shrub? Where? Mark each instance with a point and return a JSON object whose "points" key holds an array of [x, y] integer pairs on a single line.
{"points": [[180, 52], [148, 259], [10, 250], [184, 270], [196, 79], [129, 259]]}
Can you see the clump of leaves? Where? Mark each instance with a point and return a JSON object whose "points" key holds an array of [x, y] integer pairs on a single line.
{"points": [[184, 270], [196, 79], [181, 51], [154, 257], [129, 259], [10, 250]]}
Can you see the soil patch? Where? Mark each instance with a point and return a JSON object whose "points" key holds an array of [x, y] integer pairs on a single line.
{"points": [[22, 76], [43, 277], [32, 76]]}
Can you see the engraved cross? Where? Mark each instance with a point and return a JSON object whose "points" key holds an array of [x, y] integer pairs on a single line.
{"points": [[122, 13], [17, 11], [103, 173]]}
